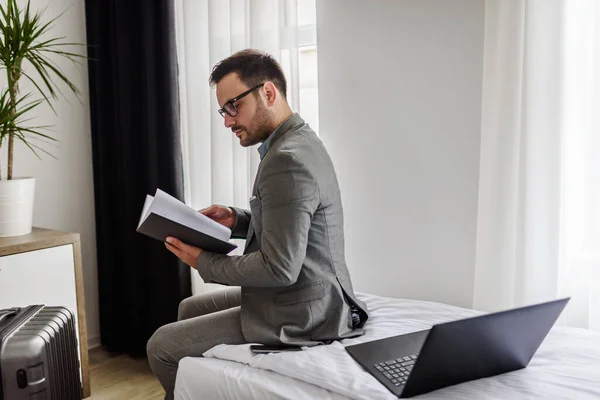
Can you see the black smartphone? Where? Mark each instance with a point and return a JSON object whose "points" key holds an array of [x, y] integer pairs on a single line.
{"points": [[262, 349]]}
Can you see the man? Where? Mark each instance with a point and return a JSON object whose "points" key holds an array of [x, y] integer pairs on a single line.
{"points": [[295, 286]]}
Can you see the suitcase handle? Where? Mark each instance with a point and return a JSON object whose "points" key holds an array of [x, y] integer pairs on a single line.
{"points": [[9, 312]]}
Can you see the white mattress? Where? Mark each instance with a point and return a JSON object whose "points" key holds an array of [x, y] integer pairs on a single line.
{"points": [[566, 366]]}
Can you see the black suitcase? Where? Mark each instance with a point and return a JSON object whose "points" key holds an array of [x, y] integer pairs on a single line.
{"points": [[38, 354]]}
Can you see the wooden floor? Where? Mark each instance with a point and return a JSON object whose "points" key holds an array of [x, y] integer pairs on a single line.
{"points": [[118, 377]]}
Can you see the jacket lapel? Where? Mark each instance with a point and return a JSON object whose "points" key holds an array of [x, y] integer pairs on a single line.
{"points": [[292, 123]]}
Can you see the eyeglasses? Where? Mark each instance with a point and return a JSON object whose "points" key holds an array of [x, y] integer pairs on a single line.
{"points": [[230, 109]]}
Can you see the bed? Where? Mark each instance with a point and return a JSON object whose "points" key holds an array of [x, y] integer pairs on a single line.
{"points": [[566, 366]]}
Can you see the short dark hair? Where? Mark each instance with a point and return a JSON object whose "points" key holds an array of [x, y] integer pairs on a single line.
{"points": [[253, 68]]}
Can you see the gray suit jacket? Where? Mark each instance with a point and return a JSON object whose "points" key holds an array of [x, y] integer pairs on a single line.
{"points": [[296, 288]]}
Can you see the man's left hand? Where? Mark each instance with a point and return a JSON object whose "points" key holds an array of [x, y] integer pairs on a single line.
{"points": [[186, 253]]}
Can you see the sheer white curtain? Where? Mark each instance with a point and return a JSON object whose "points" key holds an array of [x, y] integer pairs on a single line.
{"points": [[216, 168], [538, 232], [579, 274]]}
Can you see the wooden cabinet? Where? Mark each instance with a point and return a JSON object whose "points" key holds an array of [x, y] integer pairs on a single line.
{"points": [[44, 267]]}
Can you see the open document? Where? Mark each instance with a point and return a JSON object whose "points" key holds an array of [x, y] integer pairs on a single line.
{"points": [[163, 215]]}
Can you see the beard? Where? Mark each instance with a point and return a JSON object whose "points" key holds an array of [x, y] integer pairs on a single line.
{"points": [[261, 127]]}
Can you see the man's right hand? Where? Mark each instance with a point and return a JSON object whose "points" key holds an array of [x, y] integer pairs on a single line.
{"points": [[221, 214]]}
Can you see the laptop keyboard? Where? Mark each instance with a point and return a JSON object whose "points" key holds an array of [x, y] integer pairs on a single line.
{"points": [[397, 370]]}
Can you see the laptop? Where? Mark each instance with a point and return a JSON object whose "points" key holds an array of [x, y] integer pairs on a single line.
{"points": [[458, 351]]}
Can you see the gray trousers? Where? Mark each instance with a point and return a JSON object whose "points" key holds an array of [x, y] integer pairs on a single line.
{"points": [[203, 322]]}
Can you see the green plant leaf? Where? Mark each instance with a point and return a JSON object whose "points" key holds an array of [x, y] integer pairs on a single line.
{"points": [[27, 44]]}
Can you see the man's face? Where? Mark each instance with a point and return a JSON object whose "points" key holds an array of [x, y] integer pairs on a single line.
{"points": [[252, 123]]}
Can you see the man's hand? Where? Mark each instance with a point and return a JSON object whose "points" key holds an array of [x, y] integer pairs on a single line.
{"points": [[186, 253], [221, 214]]}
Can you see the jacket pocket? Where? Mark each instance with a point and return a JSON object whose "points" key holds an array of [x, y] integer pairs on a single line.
{"points": [[256, 210], [308, 292]]}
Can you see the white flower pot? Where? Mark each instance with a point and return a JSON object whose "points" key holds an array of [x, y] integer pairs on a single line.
{"points": [[16, 206]]}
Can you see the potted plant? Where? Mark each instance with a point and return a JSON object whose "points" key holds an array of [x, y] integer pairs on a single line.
{"points": [[28, 51]]}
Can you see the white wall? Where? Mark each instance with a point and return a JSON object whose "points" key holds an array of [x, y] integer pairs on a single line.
{"points": [[64, 186], [399, 107]]}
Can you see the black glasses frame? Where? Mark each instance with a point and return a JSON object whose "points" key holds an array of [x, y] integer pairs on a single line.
{"points": [[230, 109]]}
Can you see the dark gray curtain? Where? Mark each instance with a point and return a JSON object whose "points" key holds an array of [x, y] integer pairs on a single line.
{"points": [[136, 148]]}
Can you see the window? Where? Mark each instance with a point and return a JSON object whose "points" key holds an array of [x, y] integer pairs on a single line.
{"points": [[303, 92]]}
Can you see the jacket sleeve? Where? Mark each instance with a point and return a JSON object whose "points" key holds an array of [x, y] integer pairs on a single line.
{"points": [[242, 222], [288, 196]]}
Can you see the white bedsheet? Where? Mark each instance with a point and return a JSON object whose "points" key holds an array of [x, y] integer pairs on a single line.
{"points": [[567, 365]]}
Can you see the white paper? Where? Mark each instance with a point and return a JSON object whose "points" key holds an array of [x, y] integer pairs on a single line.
{"points": [[169, 207], [147, 205]]}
